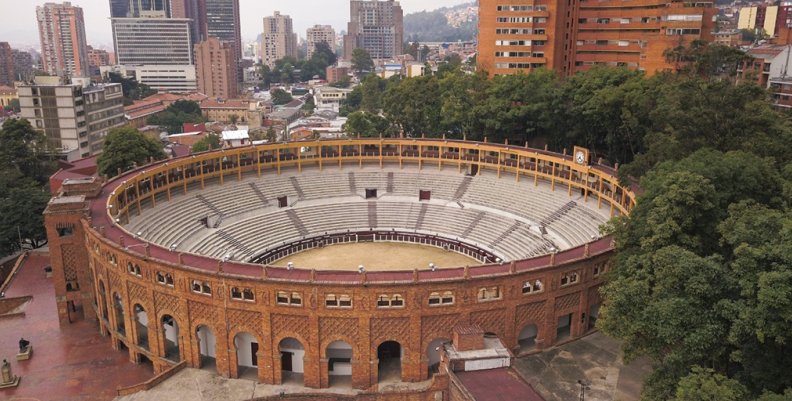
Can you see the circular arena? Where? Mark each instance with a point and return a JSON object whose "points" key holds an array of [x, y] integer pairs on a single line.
{"points": [[258, 262]]}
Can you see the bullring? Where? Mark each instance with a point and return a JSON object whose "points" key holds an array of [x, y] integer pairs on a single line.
{"points": [[178, 252]]}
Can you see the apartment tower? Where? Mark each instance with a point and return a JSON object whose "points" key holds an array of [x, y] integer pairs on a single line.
{"points": [[63, 44], [575, 35], [7, 70], [222, 22], [216, 68], [278, 39], [376, 26], [318, 34]]}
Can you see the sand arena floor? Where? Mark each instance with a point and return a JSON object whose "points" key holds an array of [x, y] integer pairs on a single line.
{"points": [[376, 256]]}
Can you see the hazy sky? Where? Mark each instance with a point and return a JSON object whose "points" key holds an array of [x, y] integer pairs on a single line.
{"points": [[18, 21]]}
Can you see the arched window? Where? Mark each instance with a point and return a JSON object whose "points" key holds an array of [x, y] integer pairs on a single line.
{"points": [[397, 301], [383, 301], [448, 298], [247, 295], [331, 301], [345, 301], [236, 293], [434, 298]]}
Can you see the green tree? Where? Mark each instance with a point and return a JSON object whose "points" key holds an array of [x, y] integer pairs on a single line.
{"points": [[174, 116], [460, 93], [361, 61], [25, 151], [707, 385], [702, 276], [364, 124], [209, 142], [414, 106], [280, 96], [324, 55], [125, 147]]}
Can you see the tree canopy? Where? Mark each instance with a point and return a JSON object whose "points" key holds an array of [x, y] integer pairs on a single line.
{"points": [[124, 147], [25, 167], [209, 142], [361, 61], [179, 112], [289, 70]]}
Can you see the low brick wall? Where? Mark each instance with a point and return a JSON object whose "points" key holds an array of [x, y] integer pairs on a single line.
{"points": [[9, 268], [435, 392], [150, 383], [7, 306]]}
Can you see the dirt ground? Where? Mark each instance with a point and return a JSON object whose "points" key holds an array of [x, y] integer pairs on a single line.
{"points": [[376, 256]]}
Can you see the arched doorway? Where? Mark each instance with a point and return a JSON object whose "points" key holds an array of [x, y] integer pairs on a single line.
{"points": [[433, 355], [593, 315], [564, 327], [118, 306], [246, 352], [170, 331], [389, 354], [141, 326], [339, 364], [206, 348], [291, 360], [527, 338], [103, 301]]}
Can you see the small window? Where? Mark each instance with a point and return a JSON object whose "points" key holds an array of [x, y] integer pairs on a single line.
{"points": [[247, 295], [65, 230], [201, 287], [282, 298], [133, 269], [397, 301], [345, 301], [383, 301], [489, 294], [236, 293], [331, 301], [296, 299], [569, 278], [532, 287], [448, 298]]}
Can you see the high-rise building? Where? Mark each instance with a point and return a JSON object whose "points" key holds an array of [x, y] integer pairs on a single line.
{"points": [[758, 17], [216, 68], [222, 22], [75, 119], [573, 36], [97, 58], [7, 71], [23, 65], [63, 44], [190, 9], [318, 34], [278, 39], [376, 26], [158, 41]]}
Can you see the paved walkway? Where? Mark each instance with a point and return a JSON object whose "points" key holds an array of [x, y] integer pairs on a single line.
{"points": [[69, 363], [198, 384], [596, 359]]}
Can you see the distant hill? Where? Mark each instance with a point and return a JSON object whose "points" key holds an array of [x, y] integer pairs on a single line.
{"points": [[447, 24]]}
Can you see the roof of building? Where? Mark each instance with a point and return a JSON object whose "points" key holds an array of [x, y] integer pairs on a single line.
{"points": [[224, 104], [77, 169], [766, 51], [235, 135], [502, 384], [7, 89]]}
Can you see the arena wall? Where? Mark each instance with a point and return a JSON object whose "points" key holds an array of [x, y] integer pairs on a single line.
{"points": [[125, 274]]}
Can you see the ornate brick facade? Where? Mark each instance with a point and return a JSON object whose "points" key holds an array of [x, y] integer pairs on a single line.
{"points": [[123, 272]]}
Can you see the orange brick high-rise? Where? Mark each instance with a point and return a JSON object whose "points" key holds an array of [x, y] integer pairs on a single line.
{"points": [[569, 36]]}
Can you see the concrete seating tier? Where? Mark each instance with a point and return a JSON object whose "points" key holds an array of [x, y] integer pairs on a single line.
{"points": [[501, 215]]}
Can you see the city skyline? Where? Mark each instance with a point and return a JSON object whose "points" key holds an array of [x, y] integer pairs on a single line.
{"points": [[19, 26]]}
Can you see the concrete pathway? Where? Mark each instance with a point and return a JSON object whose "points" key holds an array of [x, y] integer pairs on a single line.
{"points": [[596, 359]]}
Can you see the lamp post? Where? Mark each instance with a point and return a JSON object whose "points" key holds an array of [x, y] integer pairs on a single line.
{"points": [[584, 385]]}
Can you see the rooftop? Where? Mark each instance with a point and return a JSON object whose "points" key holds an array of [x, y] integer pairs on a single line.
{"points": [[501, 384]]}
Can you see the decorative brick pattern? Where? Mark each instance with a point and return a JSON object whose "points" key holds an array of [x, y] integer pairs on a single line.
{"points": [[69, 262], [530, 313], [490, 320], [567, 301], [200, 311], [437, 326], [244, 319], [396, 328], [331, 326], [137, 293], [290, 324], [165, 302]]}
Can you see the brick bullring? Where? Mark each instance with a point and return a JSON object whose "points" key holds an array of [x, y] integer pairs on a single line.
{"points": [[318, 326]]}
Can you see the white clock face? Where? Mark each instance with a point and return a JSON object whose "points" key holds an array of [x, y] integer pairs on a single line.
{"points": [[580, 157]]}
